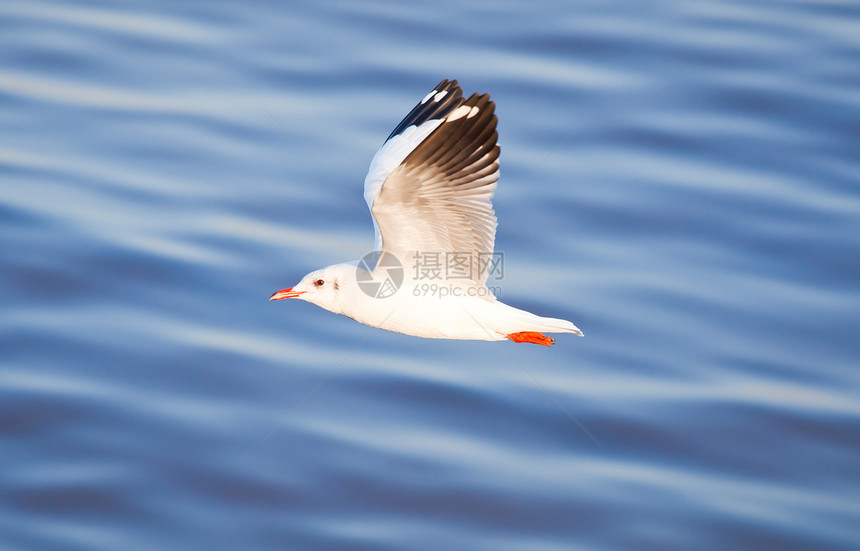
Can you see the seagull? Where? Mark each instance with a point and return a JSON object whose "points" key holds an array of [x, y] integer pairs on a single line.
{"points": [[429, 189]]}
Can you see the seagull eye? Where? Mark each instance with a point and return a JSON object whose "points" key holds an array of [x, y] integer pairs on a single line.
{"points": [[319, 283]]}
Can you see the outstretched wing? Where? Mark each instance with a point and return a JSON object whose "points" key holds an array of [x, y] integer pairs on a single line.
{"points": [[431, 184]]}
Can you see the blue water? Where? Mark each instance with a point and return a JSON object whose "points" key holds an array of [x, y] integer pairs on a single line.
{"points": [[679, 179]]}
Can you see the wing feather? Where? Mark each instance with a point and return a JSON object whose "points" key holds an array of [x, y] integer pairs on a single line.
{"points": [[424, 118], [437, 200]]}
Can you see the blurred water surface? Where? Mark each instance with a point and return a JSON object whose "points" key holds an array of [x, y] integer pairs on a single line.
{"points": [[679, 179]]}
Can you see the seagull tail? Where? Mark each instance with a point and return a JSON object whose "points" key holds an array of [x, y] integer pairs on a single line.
{"points": [[554, 325]]}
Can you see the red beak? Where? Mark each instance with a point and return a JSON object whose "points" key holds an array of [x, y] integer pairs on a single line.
{"points": [[286, 293]]}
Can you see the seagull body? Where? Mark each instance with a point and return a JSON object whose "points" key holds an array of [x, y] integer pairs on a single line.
{"points": [[429, 189]]}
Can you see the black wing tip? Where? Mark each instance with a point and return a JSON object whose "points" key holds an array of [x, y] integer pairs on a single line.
{"points": [[447, 85], [466, 139], [442, 99]]}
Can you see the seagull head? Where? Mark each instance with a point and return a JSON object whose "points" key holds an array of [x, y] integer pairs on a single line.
{"points": [[325, 287]]}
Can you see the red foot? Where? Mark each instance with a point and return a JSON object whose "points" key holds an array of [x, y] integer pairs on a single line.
{"points": [[531, 336]]}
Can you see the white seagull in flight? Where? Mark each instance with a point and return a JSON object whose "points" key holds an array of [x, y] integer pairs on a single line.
{"points": [[429, 189]]}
